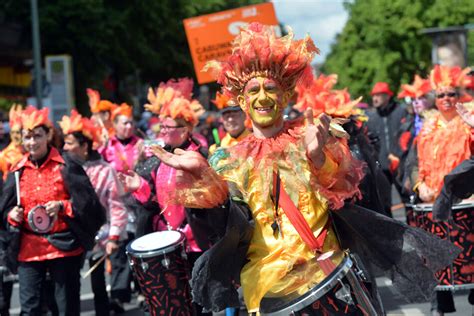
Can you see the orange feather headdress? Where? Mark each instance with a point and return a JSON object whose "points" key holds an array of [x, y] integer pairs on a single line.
{"points": [[419, 88], [76, 123], [180, 108], [124, 109], [445, 76], [167, 91], [321, 98], [256, 52], [15, 116], [96, 104], [31, 118], [174, 99], [224, 102]]}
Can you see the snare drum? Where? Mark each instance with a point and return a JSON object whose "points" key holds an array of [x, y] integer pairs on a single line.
{"points": [[39, 221], [341, 293], [159, 264], [459, 230]]}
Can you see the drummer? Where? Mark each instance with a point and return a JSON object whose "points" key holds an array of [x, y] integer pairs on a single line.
{"points": [[81, 137], [276, 252], [48, 184], [443, 143], [177, 119], [122, 151], [283, 170]]}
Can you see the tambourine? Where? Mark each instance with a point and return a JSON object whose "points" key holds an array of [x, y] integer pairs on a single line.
{"points": [[39, 220]]}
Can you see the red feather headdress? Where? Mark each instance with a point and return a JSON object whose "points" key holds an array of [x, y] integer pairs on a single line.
{"points": [[258, 52]]}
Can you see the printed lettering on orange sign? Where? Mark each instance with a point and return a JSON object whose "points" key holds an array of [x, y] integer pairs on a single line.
{"points": [[210, 36]]}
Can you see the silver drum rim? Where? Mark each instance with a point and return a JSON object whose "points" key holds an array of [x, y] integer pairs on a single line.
{"points": [[155, 252], [317, 292]]}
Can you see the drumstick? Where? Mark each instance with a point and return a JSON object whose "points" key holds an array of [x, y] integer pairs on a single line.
{"points": [[102, 125], [94, 266], [17, 186]]}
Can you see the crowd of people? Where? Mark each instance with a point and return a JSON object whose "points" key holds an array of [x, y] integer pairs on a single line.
{"points": [[271, 202]]}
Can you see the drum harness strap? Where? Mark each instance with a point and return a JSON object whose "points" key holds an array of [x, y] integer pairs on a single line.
{"points": [[281, 199]]}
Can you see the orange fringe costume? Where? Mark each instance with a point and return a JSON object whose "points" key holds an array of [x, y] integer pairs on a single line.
{"points": [[282, 265], [443, 145]]}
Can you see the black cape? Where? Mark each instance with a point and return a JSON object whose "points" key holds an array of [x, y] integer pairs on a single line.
{"points": [[407, 255], [458, 184]]}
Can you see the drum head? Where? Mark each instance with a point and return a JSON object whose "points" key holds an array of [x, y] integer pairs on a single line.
{"points": [[156, 241], [39, 220]]}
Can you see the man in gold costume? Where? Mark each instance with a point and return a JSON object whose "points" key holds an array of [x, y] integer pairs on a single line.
{"points": [[287, 175]]}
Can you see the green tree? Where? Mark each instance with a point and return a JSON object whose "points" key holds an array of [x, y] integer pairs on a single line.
{"points": [[382, 42], [116, 36]]}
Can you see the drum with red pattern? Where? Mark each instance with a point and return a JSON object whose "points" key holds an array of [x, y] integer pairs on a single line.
{"points": [[459, 229], [159, 264], [343, 292]]}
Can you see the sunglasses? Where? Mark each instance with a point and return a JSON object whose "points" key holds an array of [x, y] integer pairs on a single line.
{"points": [[449, 95]]}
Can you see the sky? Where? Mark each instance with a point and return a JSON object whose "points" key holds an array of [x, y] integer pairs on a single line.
{"points": [[321, 19]]}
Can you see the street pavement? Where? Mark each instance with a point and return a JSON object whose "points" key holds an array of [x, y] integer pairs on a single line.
{"points": [[393, 303]]}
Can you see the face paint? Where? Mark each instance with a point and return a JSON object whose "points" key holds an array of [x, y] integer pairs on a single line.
{"points": [[420, 104], [264, 101]]}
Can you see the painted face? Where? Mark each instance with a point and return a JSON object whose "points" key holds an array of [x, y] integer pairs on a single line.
{"points": [[446, 99], [420, 104], [173, 132], [35, 142], [72, 145], [264, 101], [123, 127], [233, 122], [15, 136]]}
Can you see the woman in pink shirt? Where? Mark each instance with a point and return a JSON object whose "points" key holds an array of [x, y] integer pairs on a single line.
{"points": [[80, 134]]}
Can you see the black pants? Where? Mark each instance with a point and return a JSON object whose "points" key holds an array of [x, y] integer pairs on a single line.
{"points": [[99, 288], [192, 257], [65, 276], [121, 274], [6, 289]]}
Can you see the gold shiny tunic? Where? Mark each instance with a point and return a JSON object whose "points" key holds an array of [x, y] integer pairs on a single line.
{"points": [[280, 265]]}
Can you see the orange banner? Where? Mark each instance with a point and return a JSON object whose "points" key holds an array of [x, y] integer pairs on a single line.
{"points": [[210, 36]]}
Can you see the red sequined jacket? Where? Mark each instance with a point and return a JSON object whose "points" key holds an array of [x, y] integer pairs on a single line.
{"points": [[39, 185]]}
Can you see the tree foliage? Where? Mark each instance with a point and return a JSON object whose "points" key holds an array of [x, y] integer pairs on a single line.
{"points": [[382, 41], [117, 36]]}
